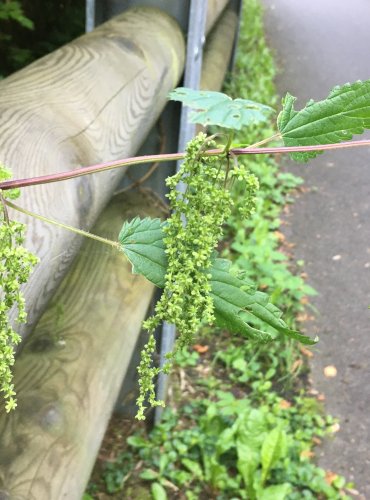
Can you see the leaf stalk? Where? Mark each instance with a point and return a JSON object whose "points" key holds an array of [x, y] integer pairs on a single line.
{"points": [[111, 243]]}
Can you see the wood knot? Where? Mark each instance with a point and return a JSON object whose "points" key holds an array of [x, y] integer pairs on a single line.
{"points": [[128, 45], [45, 343], [51, 418]]}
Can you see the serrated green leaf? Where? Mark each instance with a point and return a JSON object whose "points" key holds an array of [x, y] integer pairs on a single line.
{"points": [[274, 448], [236, 302], [142, 242], [345, 112], [216, 108]]}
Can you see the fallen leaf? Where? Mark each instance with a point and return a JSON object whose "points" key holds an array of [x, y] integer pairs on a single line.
{"points": [[306, 352], [321, 397], [280, 236], [284, 404], [201, 349], [296, 365], [203, 370], [307, 454], [330, 477], [290, 245], [317, 441], [305, 317], [335, 428], [330, 371], [353, 492], [313, 392]]}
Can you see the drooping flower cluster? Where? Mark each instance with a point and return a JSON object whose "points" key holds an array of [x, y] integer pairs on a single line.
{"points": [[200, 204], [192, 232], [16, 264]]}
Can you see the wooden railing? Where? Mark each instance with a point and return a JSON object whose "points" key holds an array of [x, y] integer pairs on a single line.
{"points": [[92, 100]]}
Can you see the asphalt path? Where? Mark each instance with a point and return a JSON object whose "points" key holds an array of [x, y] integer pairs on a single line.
{"points": [[319, 44]]}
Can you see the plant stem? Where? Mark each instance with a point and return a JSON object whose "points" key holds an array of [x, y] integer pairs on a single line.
{"points": [[296, 149], [138, 160], [229, 141], [3, 206], [264, 141], [111, 243], [101, 167]]}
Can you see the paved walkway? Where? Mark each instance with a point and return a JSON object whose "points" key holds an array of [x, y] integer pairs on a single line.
{"points": [[318, 44]]}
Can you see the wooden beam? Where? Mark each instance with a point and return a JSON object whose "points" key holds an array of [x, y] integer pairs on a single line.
{"points": [[92, 100], [70, 369], [214, 10], [217, 51]]}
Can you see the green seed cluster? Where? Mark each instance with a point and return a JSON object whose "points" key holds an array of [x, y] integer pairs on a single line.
{"points": [[191, 235], [16, 264], [246, 205], [147, 374]]}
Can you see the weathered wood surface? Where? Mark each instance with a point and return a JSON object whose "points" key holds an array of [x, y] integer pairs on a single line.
{"points": [[217, 51], [214, 9], [70, 369], [93, 100]]}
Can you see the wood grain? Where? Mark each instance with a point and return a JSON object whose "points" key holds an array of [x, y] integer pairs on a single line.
{"points": [[92, 100], [217, 51], [214, 10], [70, 369]]}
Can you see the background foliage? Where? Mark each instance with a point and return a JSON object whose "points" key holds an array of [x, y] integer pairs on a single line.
{"points": [[30, 29]]}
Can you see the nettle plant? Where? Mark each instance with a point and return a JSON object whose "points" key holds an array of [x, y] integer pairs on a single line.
{"points": [[179, 254]]}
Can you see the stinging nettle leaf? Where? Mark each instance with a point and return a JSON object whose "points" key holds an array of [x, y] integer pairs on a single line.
{"points": [[237, 304], [236, 301], [142, 242], [344, 113], [216, 108]]}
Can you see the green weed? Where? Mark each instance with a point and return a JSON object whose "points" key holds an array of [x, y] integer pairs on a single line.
{"points": [[226, 447]]}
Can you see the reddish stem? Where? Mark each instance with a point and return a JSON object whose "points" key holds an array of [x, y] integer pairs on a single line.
{"points": [[61, 176]]}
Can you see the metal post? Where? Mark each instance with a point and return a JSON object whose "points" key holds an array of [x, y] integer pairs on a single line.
{"points": [[238, 7], [90, 15], [193, 69]]}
